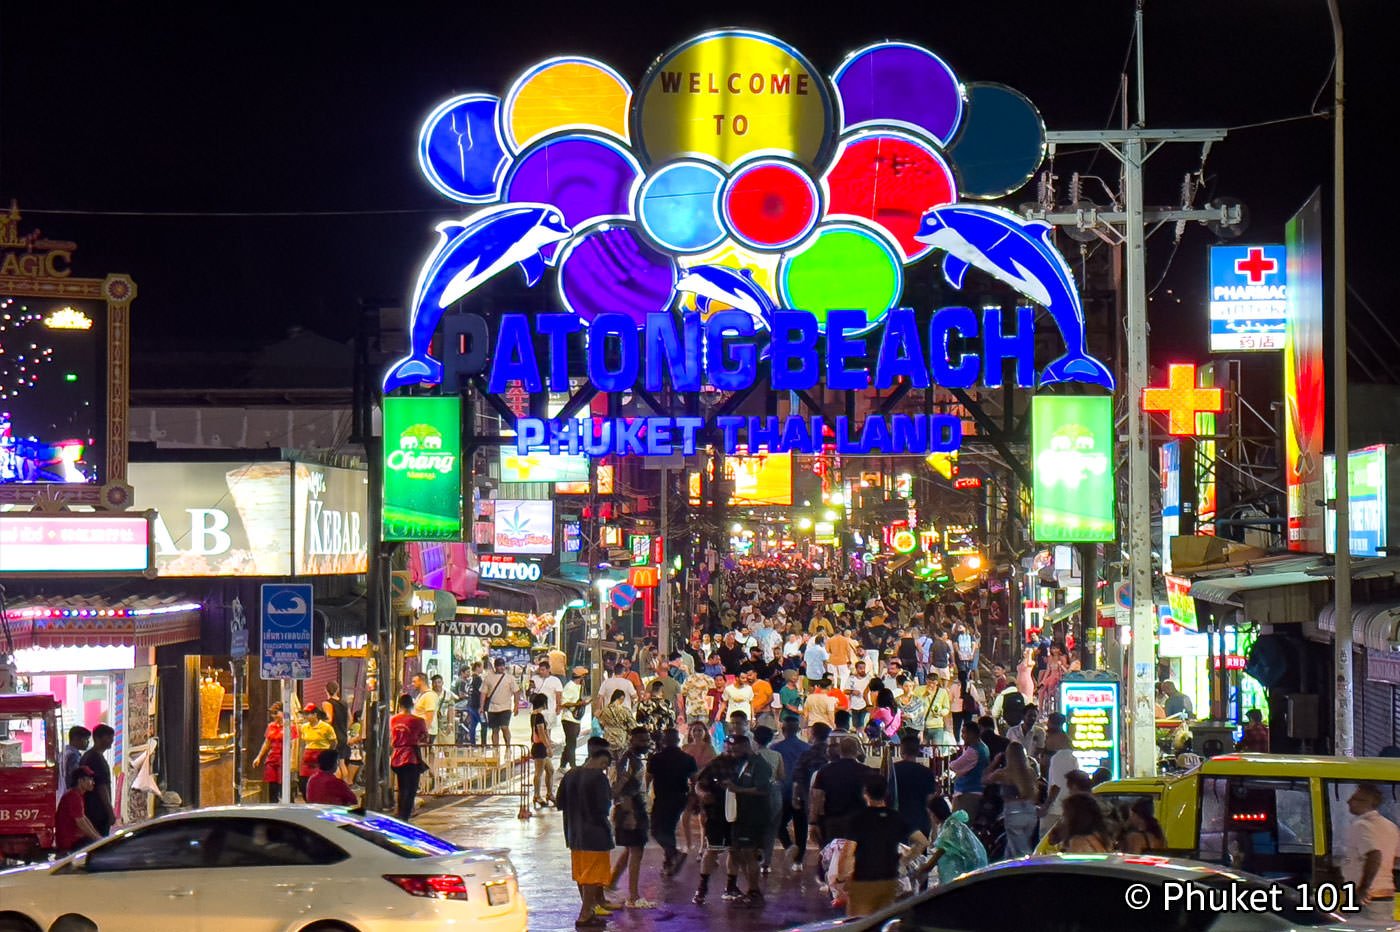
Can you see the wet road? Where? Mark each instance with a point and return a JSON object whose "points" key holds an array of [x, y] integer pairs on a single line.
{"points": [[537, 849]]}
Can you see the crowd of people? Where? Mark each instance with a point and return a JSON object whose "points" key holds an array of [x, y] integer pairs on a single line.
{"points": [[861, 728]]}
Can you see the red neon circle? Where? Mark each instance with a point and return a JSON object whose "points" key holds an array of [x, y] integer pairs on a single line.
{"points": [[892, 181], [771, 205]]}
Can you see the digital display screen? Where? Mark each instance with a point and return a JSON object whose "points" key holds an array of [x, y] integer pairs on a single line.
{"points": [[53, 390]]}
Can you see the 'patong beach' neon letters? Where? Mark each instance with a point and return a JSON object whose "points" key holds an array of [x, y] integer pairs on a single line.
{"points": [[742, 218]]}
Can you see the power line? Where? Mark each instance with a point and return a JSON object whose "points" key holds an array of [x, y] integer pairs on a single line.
{"points": [[394, 211]]}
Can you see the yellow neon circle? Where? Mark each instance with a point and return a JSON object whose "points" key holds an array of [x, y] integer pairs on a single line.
{"points": [[728, 96], [566, 93]]}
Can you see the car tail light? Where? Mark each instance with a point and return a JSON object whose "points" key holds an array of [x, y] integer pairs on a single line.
{"points": [[438, 886]]}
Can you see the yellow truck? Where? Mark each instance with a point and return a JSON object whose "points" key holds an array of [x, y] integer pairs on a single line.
{"points": [[1281, 816]]}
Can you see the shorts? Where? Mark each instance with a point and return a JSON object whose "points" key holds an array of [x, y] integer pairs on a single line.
{"points": [[498, 719], [717, 831], [864, 897], [591, 868], [747, 833], [635, 837]]}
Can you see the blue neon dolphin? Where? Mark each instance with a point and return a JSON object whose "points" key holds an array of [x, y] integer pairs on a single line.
{"points": [[1021, 254], [735, 287], [469, 253]]}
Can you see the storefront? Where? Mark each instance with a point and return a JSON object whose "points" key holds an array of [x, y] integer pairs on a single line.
{"points": [[96, 654], [224, 528]]}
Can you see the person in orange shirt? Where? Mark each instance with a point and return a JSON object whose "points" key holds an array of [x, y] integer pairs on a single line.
{"points": [[762, 701], [840, 649]]}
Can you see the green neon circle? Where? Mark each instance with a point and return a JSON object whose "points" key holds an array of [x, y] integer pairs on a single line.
{"points": [[844, 267]]}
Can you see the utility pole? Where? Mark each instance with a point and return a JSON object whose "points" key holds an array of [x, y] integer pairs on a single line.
{"points": [[663, 574], [1344, 743], [1133, 147]]}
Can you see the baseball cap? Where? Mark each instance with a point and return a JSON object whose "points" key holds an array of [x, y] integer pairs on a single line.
{"points": [[309, 707]]}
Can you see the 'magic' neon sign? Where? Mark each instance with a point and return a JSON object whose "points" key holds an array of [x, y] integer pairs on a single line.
{"points": [[743, 218]]}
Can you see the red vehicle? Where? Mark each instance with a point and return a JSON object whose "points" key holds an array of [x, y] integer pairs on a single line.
{"points": [[28, 789]]}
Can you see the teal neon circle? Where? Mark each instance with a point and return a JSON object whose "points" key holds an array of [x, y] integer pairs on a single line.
{"points": [[677, 205]]}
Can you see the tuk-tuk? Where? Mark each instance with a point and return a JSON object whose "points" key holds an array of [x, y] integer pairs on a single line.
{"points": [[28, 788], [1278, 815]]}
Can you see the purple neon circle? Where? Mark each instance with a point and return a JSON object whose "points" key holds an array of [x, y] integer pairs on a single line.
{"points": [[896, 83], [613, 269], [586, 177]]}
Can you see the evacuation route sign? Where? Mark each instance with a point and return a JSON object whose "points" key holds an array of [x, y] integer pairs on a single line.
{"points": [[286, 631]]}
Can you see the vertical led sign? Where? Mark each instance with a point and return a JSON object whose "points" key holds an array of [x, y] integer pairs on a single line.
{"points": [[1072, 446], [1304, 378], [422, 468]]}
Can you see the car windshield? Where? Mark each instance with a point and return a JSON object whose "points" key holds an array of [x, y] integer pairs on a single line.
{"points": [[392, 835], [1290, 906]]}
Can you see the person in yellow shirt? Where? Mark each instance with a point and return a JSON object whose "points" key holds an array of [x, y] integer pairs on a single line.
{"points": [[820, 624], [317, 735]]}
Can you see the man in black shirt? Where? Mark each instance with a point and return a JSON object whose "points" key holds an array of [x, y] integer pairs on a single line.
{"points": [[996, 744], [808, 763], [837, 797], [872, 862], [914, 783], [756, 665], [97, 805], [731, 654], [669, 773]]}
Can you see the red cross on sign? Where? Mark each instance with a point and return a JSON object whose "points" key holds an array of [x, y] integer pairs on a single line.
{"points": [[1256, 266], [1182, 400]]}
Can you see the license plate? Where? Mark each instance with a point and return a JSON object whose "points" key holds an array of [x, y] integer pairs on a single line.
{"points": [[498, 894]]}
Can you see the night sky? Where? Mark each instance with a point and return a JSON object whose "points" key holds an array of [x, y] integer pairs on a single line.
{"points": [[122, 107]]}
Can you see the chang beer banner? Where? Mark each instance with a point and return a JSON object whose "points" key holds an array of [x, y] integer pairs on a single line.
{"points": [[1072, 447], [422, 468]]}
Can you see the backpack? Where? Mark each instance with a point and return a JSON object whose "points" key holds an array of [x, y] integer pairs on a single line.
{"points": [[1013, 708]]}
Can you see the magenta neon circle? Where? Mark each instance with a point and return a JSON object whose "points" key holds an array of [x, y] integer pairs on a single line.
{"points": [[770, 204]]}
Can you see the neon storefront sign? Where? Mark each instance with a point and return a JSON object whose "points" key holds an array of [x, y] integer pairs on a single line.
{"points": [[741, 218]]}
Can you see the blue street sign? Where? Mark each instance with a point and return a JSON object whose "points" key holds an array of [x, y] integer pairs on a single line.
{"points": [[286, 631], [623, 595]]}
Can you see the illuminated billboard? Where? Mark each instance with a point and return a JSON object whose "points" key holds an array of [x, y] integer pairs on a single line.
{"points": [[1072, 448], [763, 479], [1304, 378], [1368, 481], [53, 390], [423, 468], [1180, 602], [219, 519], [1248, 298], [1169, 469], [330, 526], [729, 208], [76, 544], [523, 526]]}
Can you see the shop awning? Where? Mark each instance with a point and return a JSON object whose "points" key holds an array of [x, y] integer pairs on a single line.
{"points": [[346, 619], [1266, 597], [1374, 625], [1373, 568], [103, 621]]}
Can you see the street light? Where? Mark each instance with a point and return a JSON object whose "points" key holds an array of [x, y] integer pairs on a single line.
{"points": [[735, 528], [804, 524], [828, 515]]}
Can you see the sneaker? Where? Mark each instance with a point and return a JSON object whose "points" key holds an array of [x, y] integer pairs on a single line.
{"points": [[796, 867], [640, 903], [699, 898], [751, 900], [732, 895]]}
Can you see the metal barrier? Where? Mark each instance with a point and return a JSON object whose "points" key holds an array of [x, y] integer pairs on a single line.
{"points": [[479, 771]]}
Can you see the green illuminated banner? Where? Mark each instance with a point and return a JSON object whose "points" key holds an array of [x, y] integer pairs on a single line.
{"points": [[1072, 446], [422, 468]]}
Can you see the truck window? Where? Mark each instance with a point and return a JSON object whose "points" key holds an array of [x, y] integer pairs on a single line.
{"points": [[1341, 856], [1259, 825]]}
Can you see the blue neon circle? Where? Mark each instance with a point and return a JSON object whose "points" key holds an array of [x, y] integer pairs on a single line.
{"points": [[677, 205], [460, 150]]}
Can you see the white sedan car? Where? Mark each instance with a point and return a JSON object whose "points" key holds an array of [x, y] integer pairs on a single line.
{"points": [[270, 869]]}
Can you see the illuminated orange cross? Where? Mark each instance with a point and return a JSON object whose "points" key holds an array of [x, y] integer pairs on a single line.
{"points": [[1182, 400]]}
